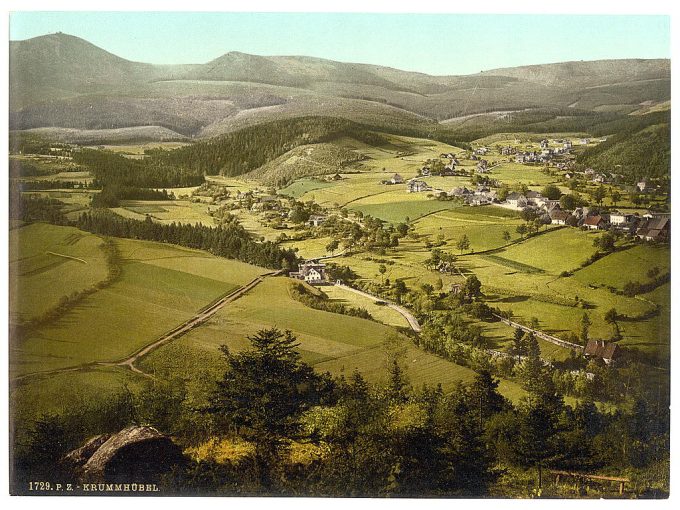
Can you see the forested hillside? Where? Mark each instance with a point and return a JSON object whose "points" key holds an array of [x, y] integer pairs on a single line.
{"points": [[242, 151], [642, 150], [60, 81]]}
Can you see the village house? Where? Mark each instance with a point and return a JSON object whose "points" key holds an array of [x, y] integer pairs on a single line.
{"points": [[544, 144], [508, 150], [459, 192], [396, 179], [585, 141], [482, 167], [567, 144], [552, 205], [516, 200], [481, 151], [316, 220], [477, 199], [595, 222], [654, 229], [624, 222], [607, 351], [558, 217], [425, 171], [617, 218], [311, 272], [417, 186]]}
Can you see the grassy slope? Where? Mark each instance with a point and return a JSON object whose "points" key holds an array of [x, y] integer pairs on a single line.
{"points": [[511, 286], [303, 161], [39, 279], [160, 286], [330, 342]]}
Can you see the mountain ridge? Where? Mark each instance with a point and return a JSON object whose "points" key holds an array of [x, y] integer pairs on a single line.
{"points": [[57, 80]]}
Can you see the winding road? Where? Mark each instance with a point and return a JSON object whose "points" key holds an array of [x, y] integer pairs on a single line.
{"points": [[413, 322]]}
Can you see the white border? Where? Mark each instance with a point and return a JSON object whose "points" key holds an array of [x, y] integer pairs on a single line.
{"points": [[427, 6]]}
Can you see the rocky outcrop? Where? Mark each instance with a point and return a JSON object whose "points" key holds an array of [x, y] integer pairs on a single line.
{"points": [[135, 454]]}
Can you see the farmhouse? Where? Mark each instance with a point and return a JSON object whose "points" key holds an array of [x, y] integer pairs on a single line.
{"points": [[516, 200], [624, 222], [459, 192], [655, 229], [544, 144], [311, 272], [567, 144], [316, 220], [585, 141], [417, 186], [425, 171], [558, 217], [607, 351], [594, 222], [396, 179], [616, 218]]}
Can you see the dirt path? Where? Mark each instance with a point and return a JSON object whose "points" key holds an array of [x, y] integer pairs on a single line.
{"points": [[129, 362], [413, 322]]}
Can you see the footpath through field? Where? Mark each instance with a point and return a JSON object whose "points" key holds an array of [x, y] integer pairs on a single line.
{"points": [[203, 315]]}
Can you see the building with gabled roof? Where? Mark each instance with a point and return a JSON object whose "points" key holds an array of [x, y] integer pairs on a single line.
{"points": [[607, 351]]}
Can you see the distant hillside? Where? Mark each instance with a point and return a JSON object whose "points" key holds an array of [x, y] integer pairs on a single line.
{"points": [[63, 81], [641, 151], [99, 136], [250, 148], [304, 161]]}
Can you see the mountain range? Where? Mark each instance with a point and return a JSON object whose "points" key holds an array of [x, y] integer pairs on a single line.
{"points": [[69, 85]]}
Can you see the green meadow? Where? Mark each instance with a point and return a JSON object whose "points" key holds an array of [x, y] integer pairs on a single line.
{"points": [[49, 263], [330, 342], [159, 287]]}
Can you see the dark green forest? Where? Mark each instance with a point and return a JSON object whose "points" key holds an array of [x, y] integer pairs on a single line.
{"points": [[640, 150], [229, 240]]}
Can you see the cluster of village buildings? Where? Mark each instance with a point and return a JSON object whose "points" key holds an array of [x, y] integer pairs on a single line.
{"points": [[651, 226]]}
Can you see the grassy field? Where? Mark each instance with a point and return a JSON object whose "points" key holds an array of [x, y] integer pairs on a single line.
{"points": [[556, 251], [160, 287], [625, 266], [330, 342], [484, 227], [166, 211], [380, 313], [60, 393], [47, 263], [302, 186]]}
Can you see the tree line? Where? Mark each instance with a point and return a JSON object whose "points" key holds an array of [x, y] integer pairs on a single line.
{"points": [[228, 240]]}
